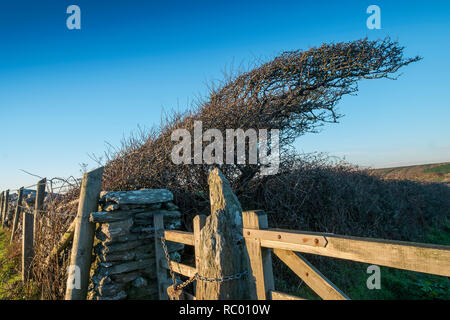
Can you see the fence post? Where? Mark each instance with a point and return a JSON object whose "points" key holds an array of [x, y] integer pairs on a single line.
{"points": [[1, 206], [27, 245], [260, 258], [38, 204], [5, 208], [83, 239], [9, 215], [17, 213], [161, 273], [198, 224]]}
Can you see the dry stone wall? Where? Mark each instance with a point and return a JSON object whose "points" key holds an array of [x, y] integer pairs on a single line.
{"points": [[125, 266]]}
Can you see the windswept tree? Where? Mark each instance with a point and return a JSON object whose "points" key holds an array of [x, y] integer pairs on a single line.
{"points": [[295, 93]]}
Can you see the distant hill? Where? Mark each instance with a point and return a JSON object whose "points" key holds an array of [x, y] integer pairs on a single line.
{"points": [[436, 172]]}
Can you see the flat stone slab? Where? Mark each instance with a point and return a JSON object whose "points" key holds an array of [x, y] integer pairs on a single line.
{"points": [[126, 277], [118, 228], [138, 197], [118, 256], [109, 216], [109, 290], [113, 248], [166, 213], [120, 296], [130, 266]]}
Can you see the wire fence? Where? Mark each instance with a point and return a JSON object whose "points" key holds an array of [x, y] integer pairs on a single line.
{"points": [[51, 220]]}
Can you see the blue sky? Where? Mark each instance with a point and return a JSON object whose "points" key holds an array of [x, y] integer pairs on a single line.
{"points": [[63, 93]]}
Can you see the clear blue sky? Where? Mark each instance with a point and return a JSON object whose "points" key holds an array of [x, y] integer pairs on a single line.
{"points": [[63, 93]]}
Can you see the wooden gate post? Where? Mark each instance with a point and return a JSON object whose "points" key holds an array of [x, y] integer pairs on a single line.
{"points": [[17, 213], [5, 208], [161, 272], [260, 258], [27, 245], [198, 224], [83, 239], [39, 204]]}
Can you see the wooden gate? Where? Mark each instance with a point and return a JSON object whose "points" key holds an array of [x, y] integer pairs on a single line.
{"points": [[261, 242]]}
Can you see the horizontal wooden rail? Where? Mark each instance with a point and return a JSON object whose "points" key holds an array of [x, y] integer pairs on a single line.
{"points": [[426, 258], [180, 268], [179, 236], [276, 295]]}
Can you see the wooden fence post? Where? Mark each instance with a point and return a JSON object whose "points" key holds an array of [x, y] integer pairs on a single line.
{"points": [[5, 208], [83, 239], [38, 205], [9, 216], [1, 206], [17, 213], [161, 273], [260, 258], [27, 245], [198, 224]]}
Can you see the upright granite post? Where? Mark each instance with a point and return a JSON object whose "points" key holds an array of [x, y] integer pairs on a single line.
{"points": [[222, 248]]}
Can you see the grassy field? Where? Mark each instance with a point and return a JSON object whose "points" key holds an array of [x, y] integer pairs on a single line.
{"points": [[9, 275], [11, 285], [437, 172]]}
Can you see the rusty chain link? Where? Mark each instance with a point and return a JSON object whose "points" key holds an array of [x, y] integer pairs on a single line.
{"points": [[166, 253], [180, 286]]}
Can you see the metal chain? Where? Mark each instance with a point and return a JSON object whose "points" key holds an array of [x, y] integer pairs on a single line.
{"points": [[166, 253], [180, 286], [32, 210], [235, 276]]}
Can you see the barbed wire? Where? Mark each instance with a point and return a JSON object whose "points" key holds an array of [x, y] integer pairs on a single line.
{"points": [[30, 210], [49, 182]]}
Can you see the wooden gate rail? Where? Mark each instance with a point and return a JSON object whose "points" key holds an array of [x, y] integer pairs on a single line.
{"points": [[310, 275], [262, 241], [179, 236], [426, 258], [276, 295], [180, 268], [186, 238], [260, 260], [183, 237]]}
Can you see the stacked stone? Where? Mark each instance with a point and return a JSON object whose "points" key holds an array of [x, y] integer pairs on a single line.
{"points": [[125, 266]]}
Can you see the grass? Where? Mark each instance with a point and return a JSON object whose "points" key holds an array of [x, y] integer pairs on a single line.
{"points": [[437, 172], [396, 284], [443, 169], [11, 285]]}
